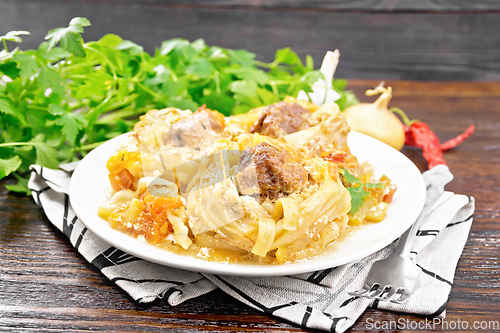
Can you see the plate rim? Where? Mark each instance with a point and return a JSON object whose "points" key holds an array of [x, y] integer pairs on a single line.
{"points": [[186, 262]]}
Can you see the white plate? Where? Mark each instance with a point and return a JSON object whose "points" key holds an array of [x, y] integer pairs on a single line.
{"points": [[89, 189]]}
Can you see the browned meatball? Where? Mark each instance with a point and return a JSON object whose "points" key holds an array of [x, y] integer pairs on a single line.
{"points": [[194, 131], [270, 171], [281, 118]]}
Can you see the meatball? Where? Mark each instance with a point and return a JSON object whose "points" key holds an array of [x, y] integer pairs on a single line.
{"points": [[280, 119], [269, 171], [196, 131]]}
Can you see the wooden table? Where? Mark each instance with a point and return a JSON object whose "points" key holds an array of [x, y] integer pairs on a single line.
{"points": [[403, 39], [45, 285]]}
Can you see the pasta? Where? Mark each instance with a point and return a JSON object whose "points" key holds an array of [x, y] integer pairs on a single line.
{"points": [[269, 186]]}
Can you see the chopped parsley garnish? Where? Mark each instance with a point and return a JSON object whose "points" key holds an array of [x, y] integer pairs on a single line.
{"points": [[357, 190]]}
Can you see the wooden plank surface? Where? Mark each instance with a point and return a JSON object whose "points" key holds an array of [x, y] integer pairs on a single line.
{"points": [[45, 285], [382, 45], [427, 6]]}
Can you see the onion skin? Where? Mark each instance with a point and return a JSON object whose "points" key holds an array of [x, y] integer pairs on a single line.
{"points": [[375, 120]]}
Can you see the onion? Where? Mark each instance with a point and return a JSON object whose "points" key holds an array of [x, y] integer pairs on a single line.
{"points": [[376, 120]]}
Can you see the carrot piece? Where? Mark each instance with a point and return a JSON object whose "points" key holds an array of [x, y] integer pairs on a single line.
{"points": [[122, 180], [334, 156], [159, 206], [118, 165], [121, 160]]}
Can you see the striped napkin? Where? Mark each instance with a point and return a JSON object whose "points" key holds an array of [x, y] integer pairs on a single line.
{"points": [[316, 300]]}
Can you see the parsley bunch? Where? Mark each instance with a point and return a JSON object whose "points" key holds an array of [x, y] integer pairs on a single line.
{"points": [[66, 97]]}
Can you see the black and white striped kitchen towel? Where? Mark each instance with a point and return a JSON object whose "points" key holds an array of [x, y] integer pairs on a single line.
{"points": [[317, 300]]}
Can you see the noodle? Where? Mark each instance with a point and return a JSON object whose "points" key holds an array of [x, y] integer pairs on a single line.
{"points": [[260, 187]]}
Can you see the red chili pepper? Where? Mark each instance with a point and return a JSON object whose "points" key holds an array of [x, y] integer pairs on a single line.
{"points": [[420, 135], [458, 139], [423, 137], [409, 136]]}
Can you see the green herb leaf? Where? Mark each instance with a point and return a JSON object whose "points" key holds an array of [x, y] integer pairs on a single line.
{"points": [[287, 56], [350, 178], [13, 36], [46, 153], [50, 78], [5, 55], [56, 110], [250, 74], [53, 54], [79, 21], [46, 156], [69, 38], [358, 195], [169, 45], [357, 190], [183, 103], [175, 88], [71, 124], [339, 84], [242, 57], [266, 96], [7, 166], [200, 67], [347, 97], [27, 64], [246, 91], [130, 46], [8, 107], [222, 103], [66, 97], [20, 187]]}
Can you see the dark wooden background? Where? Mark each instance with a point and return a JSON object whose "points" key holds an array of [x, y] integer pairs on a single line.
{"points": [[45, 285], [378, 39]]}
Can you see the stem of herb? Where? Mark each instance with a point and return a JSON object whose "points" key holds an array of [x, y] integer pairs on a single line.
{"points": [[82, 64], [149, 91], [35, 107], [275, 88], [110, 118], [264, 65], [88, 147], [12, 144], [217, 82], [105, 58]]}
